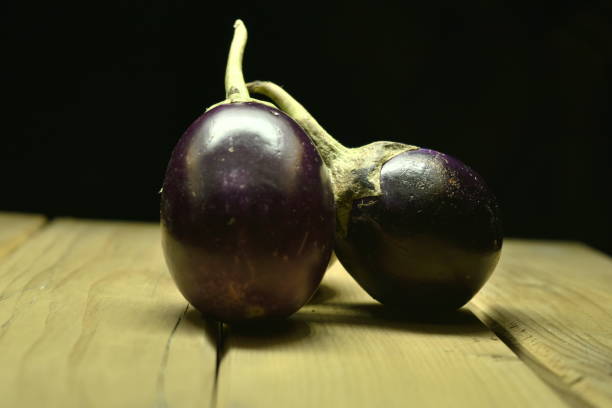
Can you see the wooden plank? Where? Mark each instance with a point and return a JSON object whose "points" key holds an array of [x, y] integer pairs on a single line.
{"points": [[344, 350], [552, 303], [89, 317], [15, 228]]}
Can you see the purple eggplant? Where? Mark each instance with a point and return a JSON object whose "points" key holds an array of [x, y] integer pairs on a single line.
{"points": [[417, 229], [247, 207]]}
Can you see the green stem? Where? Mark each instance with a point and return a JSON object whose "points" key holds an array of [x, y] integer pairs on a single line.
{"points": [[329, 147], [235, 88], [355, 173]]}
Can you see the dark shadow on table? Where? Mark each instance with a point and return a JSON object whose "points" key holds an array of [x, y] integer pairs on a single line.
{"points": [[458, 322], [210, 327], [324, 294], [325, 310], [267, 333], [256, 334]]}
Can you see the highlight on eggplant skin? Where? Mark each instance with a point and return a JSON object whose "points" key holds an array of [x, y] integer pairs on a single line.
{"points": [[430, 241]]}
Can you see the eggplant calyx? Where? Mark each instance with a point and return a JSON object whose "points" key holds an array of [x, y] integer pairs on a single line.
{"points": [[356, 175], [355, 172]]}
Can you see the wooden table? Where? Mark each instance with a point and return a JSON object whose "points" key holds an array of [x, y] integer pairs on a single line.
{"points": [[89, 317]]}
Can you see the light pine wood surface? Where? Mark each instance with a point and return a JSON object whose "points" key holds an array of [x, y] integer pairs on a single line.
{"points": [[15, 228], [552, 302], [343, 350], [89, 317]]}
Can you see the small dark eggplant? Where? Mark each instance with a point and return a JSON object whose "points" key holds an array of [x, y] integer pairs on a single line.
{"points": [[247, 208], [416, 228]]}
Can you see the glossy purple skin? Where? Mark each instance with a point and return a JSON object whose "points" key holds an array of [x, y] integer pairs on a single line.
{"points": [[247, 214], [431, 241]]}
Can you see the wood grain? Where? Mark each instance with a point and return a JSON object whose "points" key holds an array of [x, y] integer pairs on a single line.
{"points": [[552, 303], [344, 350], [15, 228], [89, 317]]}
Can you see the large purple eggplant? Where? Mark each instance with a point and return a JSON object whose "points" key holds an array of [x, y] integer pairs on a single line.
{"points": [[247, 207], [416, 228]]}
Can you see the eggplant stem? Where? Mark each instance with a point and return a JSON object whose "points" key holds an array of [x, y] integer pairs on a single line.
{"points": [[355, 172], [329, 147], [235, 87]]}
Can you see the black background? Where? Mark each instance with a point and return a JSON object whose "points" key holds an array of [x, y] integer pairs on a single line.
{"points": [[96, 96]]}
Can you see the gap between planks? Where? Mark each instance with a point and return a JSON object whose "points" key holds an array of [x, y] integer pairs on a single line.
{"points": [[92, 303], [551, 302], [526, 266], [343, 349], [532, 361]]}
